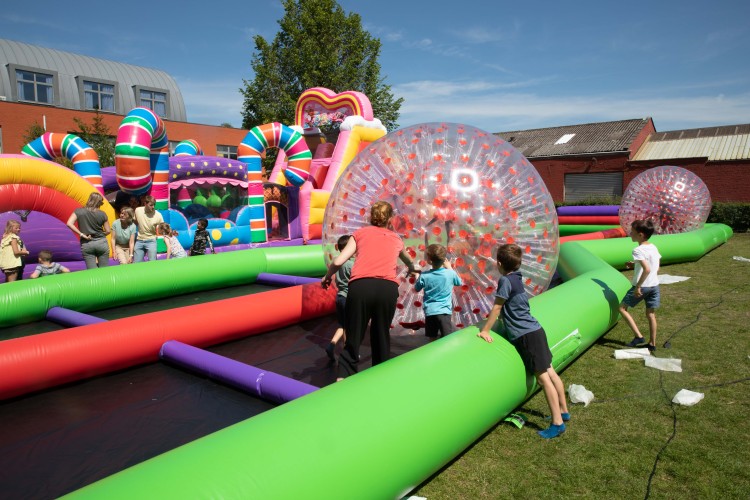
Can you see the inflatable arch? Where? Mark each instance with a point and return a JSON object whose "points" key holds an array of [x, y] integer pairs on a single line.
{"points": [[296, 170], [357, 130], [85, 160], [189, 147], [142, 156], [35, 184]]}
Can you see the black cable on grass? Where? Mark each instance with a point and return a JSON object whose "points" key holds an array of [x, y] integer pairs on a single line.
{"points": [[671, 437], [668, 344], [650, 393]]}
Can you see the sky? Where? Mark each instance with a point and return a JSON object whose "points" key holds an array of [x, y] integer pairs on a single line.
{"points": [[493, 64]]}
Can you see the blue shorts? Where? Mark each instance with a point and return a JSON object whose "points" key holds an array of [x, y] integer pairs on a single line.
{"points": [[650, 294]]}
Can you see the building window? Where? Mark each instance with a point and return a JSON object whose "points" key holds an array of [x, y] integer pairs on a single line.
{"points": [[172, 146], [226, 151], [97, 94], [153, 100], [35, 87]]}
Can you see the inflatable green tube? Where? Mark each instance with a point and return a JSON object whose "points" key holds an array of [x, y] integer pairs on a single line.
{"points": [[96, 289], [382, 432]]}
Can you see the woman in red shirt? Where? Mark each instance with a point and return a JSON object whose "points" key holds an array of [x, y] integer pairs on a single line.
{"points": [[373, 286]]}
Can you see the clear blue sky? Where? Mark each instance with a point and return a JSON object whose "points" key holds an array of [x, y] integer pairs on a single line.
{"points": [[496, 65]]}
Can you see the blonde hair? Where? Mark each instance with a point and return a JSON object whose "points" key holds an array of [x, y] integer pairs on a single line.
{"points": [[166, 230], [95, 201], [381, 213], [11, 224], [129, 212]]}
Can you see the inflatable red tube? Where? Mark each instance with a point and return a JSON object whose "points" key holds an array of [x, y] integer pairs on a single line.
{"points": [[41, 361], [589, 219], [616, 232]]}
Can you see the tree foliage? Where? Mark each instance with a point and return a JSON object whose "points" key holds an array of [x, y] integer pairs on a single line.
{"points": [[318, 45], [99, 137]]}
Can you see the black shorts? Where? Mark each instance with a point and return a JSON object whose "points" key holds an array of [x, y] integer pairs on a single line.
{"points": [[534, 351], [438, 323], [341, 310]]}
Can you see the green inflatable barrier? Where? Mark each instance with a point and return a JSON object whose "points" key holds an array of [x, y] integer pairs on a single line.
{"points": [[382, 432], [115, 286]]}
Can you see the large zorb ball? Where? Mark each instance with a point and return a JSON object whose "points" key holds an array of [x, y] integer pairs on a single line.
{"points": [[675, 199], [455, 185]]}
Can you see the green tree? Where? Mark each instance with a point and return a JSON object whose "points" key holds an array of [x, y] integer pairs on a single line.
{"points": [[99, 137], [318, 45], [32, 133]]}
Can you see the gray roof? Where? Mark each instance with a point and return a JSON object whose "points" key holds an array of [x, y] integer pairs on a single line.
{"points": [[730, 142], [589, 138], [66, 66]]}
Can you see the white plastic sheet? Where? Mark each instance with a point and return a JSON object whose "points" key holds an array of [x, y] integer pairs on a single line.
{"points": [[741, 259], [664, 364], [633, 353], [687, 398], [668, 279]]}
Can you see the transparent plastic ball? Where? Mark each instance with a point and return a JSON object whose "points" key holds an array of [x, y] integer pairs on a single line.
{"points": [[675, 199], [458, 186]]}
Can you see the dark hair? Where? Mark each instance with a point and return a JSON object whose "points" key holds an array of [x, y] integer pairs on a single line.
{"points": [[510, 256], [203, 222], [381, 213], [343, 240], [436, 254], [645, 227], [45, 255]]}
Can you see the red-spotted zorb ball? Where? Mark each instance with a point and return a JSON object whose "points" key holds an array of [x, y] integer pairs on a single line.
{"points": [[675, 199], [458, 186]]}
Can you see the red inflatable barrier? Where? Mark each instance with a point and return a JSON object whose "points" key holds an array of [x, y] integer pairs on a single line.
{"points": [[589, 219], [41, 361], [617, 232]]}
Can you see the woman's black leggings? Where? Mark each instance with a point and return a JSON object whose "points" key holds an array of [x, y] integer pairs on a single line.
{"points": [[369, 300]]}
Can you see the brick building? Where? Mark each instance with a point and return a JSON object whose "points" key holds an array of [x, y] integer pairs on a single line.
{"points": [[600, 159], [51, 87]]}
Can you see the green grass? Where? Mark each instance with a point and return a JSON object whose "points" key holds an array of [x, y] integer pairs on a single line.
{"points": [[632, 442]]}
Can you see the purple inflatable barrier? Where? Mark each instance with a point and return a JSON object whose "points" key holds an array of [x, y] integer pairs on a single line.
{"points": [[68, 317], [589, 210], [267, 385], [284, 280]]}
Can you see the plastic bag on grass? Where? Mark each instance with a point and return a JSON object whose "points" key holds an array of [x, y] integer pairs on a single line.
{"points": [[668, 279], [664, 364], [637, 353], [579, 394], [687, 398]]}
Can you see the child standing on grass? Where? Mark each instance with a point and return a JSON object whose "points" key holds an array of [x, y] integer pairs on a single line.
{"points": [[342, 289], [438, 284], [174, 249], [202, 238], [46, 267], [645, 287], [526, 335], [12, 251]]}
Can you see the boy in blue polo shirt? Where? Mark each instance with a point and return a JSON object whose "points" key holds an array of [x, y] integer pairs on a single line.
{"points": [[526, 335], [438, 284]]}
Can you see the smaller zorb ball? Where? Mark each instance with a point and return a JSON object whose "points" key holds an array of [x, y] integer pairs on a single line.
{"points": [[675, 199]]}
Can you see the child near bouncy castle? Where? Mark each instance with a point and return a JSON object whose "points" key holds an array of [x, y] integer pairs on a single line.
{"points": [[201, 239], [645, 287], [342, 289], [438, 284], [174, 248], [12, 251], [46, 267], [526, 335]]}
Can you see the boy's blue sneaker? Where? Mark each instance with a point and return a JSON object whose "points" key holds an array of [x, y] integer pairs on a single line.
{"points": [[565, 416], [552, 431], [636, 341]]}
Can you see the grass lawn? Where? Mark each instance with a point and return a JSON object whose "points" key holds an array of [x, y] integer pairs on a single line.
{"points": [[631, 441]]}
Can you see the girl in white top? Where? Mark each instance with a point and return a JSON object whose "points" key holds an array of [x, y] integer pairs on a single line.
{"points": [[174, 248]]}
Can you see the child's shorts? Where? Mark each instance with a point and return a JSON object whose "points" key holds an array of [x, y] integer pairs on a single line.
{"points": [[534, 351], [341, 310], [12, 270], [650, 294], [438, 323]]}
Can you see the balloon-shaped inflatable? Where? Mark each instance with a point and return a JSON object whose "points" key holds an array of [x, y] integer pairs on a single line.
{"points": [[675, 199], [455, 185]]}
